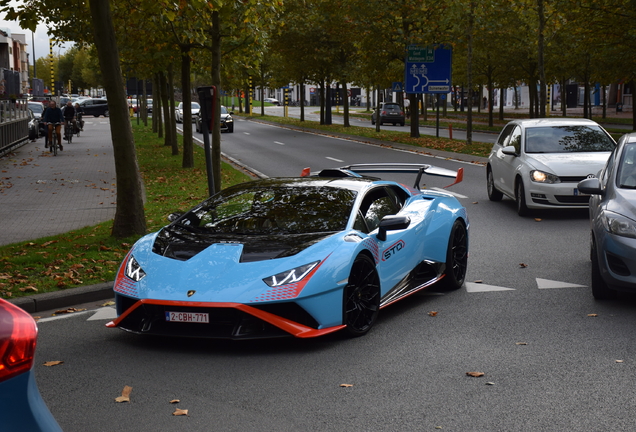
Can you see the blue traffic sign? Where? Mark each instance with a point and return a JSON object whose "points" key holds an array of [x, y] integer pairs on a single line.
{"points": [[397, 87], [428, 69]]}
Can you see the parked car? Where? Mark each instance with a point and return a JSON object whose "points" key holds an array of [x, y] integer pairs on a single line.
{"points": [[149, 105], [94, 106], [37, 108], [272, 101], [297, 256], [195, 107], [227, 122], [389, 113], [539, 162], [21, 405], [34, 126], [613, 222]]}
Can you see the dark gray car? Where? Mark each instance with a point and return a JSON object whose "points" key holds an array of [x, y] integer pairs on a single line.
{"points": [[613, 221], [389, 113]]}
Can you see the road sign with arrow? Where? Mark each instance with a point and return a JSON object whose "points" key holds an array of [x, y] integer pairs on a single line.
{"points": [[428, 69]]}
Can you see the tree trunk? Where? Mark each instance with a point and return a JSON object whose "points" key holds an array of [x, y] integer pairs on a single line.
{"points": [[216, 81], [469, 75], [129, 214], [345, 104], [540, 63], [188, 146], [166, 108], [414, 115], [172, 124], [156, 107]]}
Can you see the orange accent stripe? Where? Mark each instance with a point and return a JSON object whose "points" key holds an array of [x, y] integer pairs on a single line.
{"points": [[289, 326]]}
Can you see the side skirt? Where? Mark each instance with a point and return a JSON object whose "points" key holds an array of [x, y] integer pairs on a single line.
{"points": [[427, 273]]}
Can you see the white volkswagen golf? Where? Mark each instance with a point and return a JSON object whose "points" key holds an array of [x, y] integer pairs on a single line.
{"points": [[539, 162]]}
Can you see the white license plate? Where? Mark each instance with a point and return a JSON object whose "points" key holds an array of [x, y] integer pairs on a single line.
{"points": [[188, 317], [577, 193]]}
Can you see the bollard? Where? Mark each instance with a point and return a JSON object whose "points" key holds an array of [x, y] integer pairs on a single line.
{"points": [[450, 130]]}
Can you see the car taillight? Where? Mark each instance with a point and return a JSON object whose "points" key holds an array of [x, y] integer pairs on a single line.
{"points": [[383, 112], [18, 334]]}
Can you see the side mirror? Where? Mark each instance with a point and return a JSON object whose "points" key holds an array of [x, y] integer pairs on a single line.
{"points": [[392, 223], [590, 186], [509, 150]]}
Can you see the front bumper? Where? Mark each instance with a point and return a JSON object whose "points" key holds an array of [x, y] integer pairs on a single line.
{"points": [[558, 195], [617, 261]]}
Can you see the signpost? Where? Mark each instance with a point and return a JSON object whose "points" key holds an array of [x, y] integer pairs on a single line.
{"points": [[427, 69]]}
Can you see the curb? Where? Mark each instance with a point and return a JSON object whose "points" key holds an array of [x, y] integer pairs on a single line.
{"points": [[64, 299]]}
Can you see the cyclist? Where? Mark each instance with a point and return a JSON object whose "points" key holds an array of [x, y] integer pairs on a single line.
{"points": [[52, 116], [78, 113], [69, 115]]}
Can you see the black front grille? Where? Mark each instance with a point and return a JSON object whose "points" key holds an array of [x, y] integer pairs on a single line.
{"points": [[573, 199], [572, 179]]}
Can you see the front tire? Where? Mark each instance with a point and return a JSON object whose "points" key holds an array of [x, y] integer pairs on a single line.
{"points": [[493, 193], [520, 197], [361, 302], [456, 257], [600, 290]]}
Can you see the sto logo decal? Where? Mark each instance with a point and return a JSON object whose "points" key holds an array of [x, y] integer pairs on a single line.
{"points": [[393, 249]]}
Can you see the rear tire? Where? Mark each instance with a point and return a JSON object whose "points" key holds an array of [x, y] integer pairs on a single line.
{"points": [[456, 257]]}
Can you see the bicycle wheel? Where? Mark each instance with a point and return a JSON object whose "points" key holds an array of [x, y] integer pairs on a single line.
{"points": [[54, 144]]}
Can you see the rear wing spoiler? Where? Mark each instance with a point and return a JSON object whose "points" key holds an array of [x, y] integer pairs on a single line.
{"points": [[357, 170]]}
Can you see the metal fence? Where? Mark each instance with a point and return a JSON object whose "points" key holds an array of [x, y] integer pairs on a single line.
{"points": [[14, 124]]}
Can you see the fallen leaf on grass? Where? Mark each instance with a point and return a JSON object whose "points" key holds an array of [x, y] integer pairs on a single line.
{"points": [[180, 412], [53, 363], [346, 385], [475, 374], [29, 288], [125, 395]]}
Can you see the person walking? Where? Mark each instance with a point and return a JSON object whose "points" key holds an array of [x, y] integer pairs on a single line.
{"points": [[53, 117]]}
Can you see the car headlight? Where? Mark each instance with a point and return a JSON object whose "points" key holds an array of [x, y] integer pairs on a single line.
{"points": [[134, 270], [543, 177], [290, 276], [618, 224]]}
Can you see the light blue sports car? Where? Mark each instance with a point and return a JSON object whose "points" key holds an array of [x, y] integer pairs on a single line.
{"points": [[302, 256]]}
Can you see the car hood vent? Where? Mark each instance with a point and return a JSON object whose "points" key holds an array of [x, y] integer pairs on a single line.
{"points": [[183, 245]]}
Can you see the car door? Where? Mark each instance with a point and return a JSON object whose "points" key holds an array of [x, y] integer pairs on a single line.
{"points": [[506, 165], [394, 257], [87, 106]]}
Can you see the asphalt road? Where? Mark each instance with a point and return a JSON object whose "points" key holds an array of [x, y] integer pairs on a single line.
{"points": [[553, 359]]}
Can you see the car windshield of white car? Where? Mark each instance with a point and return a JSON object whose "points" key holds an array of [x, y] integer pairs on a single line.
{"points": [[274, 210], [36, 107], [627, 171], [567, 139]]}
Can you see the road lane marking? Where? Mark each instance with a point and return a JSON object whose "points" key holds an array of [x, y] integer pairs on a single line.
{"points": [[473, 287], [334, 159], [279, 143], [550, 284], [105, 313]]}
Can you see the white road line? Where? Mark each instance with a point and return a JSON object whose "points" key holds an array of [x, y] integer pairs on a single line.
{"points": [[247, 133], [105, 313], [279, 143], [473, 287], [455, 194], [334, 159], [550, 284]]}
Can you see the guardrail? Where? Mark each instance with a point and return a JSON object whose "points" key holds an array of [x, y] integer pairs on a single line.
{"points": [[14, 124]]}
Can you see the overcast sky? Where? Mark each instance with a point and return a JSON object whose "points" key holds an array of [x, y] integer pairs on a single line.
{"points": [[40, 39]]}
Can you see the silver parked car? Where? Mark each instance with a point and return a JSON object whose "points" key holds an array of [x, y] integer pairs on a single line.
{"points": [[613, 222], [195, 107], [539, 162]]}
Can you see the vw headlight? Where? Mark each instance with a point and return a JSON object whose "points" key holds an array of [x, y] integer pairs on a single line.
{"points": [[291, 276], [618, 224], [134, 270], [543, 177]]}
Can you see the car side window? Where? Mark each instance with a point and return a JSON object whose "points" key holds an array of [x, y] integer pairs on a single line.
{"points": [[505, 135], [515, 139], [377, 204], [607, 170]]}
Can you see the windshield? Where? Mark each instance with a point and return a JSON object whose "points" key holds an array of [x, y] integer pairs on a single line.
{"points": [[195, 105], [566, 139], [627, 171], [36, 107], [223, 110], [275, 210]]}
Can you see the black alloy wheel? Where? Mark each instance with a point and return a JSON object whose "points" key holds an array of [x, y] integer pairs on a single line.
{"points": [[456, 257], [361, 297]]}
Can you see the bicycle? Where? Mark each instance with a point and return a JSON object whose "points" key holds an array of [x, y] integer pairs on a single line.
{"points": [[54, 144], [68, 131]]}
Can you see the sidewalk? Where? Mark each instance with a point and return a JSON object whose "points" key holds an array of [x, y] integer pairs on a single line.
{"points": [[43, 195]]}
